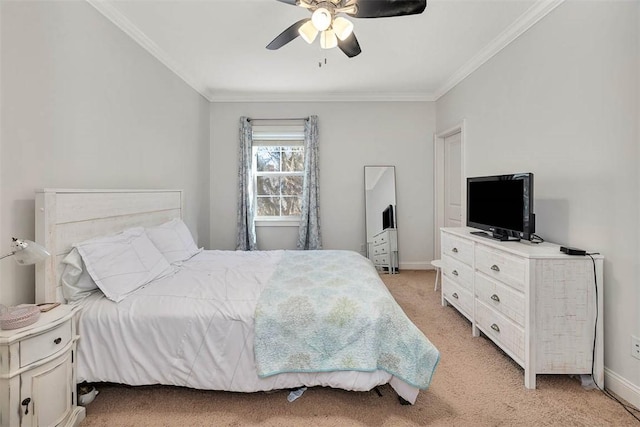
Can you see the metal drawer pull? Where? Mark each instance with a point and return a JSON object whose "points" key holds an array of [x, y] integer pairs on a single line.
{"points": [[25, 403], [454, 250], [57, 340], [454, 272], [495, 267], [495, 297], [495, 327], [454, 295]]}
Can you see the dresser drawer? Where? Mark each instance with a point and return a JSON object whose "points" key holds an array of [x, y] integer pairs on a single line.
{"points": [[381, 239], [459, 249], [380, 250], [500, 329], [461, 299], [457, 271], [381, 259], [504, 299], [501, 266], [44, 345]]}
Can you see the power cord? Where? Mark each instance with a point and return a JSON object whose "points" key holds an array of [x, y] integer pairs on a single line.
{"points": [[630, 409]]}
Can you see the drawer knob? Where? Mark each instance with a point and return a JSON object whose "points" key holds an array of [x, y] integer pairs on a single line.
{"points": [[495, 297], [454, 272], [455, 295], [495, 267], [495, 327], [454, 250], [25, 403], [57, 340]]}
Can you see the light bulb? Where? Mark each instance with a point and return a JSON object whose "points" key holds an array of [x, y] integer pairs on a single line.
{"points": [[342, 27], [328, 39], [321, 18], [308, 32]]}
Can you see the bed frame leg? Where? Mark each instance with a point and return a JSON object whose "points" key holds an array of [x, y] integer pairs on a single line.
{"points": [[377, 390], [403, 401]]}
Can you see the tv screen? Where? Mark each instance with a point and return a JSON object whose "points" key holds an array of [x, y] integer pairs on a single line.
{"points": [[502, 204], [387, 218]]}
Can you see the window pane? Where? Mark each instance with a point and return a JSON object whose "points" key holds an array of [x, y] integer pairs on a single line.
{"points": [[268, 159], [268, 206], [268, 185], [291, 205], [292, 159], [292, 185]]}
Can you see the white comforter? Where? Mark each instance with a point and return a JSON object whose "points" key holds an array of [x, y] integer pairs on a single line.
{"points": [[196, 329]]}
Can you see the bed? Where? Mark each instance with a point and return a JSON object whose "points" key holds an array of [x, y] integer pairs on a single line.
{"points": [[220, 320]]}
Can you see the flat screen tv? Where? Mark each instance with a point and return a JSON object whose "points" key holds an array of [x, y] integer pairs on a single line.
{"points": [[502, 205], [387, 218]]}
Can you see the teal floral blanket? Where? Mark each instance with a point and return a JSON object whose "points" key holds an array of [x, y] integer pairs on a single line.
{"points": [[330, 311]]}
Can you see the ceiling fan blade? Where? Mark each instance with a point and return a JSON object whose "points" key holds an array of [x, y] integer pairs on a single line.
{"points": [[291, 2], [287, 35], [350, 46], [388, 8]]}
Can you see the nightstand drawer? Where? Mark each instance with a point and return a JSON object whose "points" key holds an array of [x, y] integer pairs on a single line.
{"points": [[44, 345]]}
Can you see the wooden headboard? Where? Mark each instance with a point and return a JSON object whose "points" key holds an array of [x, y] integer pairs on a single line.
{"points": [[65, 217]]}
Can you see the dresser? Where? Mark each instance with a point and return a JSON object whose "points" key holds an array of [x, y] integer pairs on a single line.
{"points": [[385, 250], [38, 372], [536, 303]]}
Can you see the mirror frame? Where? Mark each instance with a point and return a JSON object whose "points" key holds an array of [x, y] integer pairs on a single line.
{"points": [[389, 200]]}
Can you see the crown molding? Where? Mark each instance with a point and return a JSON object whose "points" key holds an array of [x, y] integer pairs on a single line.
{"points": [[112, 14], [534, 14], [321, 97]]}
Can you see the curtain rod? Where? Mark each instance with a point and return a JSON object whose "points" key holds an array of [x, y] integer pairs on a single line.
{"points": [[286, 119]]}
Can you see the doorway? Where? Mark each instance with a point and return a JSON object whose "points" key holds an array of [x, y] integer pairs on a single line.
{"points": [[450, 188]]}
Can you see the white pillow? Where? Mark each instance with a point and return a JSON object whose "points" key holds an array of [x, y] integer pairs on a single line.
{"points": [[173, 240], [123, 263], [77, 284]]}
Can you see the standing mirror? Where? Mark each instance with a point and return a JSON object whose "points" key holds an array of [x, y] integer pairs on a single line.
{"points": [[380, 217]]}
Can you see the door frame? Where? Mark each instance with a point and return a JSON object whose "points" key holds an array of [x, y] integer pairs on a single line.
{"points": [[439, 181]]}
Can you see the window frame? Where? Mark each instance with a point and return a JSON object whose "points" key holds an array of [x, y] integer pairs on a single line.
{"points": [[275, 136]]}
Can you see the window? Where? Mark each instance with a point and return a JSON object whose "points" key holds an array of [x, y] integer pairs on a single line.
{"points": [[278, 172]]}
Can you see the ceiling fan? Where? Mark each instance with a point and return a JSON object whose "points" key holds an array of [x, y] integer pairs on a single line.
{"points": [[336, 30]]}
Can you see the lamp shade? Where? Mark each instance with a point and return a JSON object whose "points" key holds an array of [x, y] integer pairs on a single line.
{"points": [[308, 32], [328, 39], [27, 252], [342, 27]]}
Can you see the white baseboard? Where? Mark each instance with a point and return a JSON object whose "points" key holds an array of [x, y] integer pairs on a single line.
{"points": [[416, 266], [622, 387]]}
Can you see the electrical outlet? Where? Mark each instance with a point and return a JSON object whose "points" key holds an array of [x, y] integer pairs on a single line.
{"points": [[635, 347]]}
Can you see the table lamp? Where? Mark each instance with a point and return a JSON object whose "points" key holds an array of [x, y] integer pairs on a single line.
{"points": [[25, 252]]}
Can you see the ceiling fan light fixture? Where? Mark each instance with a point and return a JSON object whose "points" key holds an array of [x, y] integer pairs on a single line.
{"points": [[328, 39], [321, 18], [308, 32], [342, 27]]}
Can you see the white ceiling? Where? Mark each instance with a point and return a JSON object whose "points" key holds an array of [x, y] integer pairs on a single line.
{"points": [[218, 47]]}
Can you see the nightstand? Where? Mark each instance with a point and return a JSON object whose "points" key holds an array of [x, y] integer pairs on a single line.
{"points": [[38, 372]]}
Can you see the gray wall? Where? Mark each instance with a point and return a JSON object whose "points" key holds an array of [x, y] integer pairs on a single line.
{"points": [[562, 102], [84, 106], [352, 135]]}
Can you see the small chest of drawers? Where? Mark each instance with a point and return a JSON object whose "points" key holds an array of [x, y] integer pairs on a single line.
{"points": [[385, 250], [534, 302], [37, 372]]}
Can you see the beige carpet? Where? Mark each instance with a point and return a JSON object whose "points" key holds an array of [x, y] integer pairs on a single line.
{"points": [[475, 384]]}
